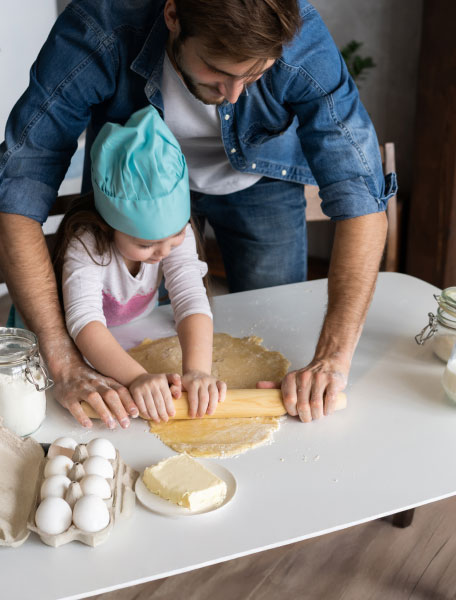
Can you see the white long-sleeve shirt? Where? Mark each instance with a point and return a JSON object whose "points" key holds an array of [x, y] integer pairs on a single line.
{"points": [[109, 293]]}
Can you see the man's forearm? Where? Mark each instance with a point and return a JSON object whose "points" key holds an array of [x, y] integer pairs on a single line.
{"points": [[25, 262], [357, 251]]}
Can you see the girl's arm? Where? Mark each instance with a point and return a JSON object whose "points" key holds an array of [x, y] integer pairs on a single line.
{"points": [[151, 392], [184, 274], [204, 391], [106, 355], [195, 336]]}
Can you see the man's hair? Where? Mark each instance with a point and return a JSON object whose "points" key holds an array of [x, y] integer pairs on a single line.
{"points": [[240, 29]]}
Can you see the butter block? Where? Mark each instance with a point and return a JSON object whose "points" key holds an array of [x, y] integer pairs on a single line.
{"points": [[184, 481]]}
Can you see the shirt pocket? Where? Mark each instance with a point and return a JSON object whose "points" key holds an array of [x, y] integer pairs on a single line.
{"points": [[260, 132]]}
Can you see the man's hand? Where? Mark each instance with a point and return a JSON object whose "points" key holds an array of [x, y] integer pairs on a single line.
{"points": [[311, 392], [108, 398]]}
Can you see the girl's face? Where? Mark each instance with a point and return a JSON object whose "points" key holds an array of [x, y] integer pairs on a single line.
{"points": [[147, 251]]}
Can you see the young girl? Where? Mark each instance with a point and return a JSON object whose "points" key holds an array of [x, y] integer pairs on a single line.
{"points": [[112, 250]]}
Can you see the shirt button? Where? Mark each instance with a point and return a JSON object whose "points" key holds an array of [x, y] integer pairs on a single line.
{"points": [[233, 150], [253, 165], [284, 172], [227, 117]]}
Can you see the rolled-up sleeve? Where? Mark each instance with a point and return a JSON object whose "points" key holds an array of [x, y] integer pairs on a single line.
{"points": [[184, 274], [336, 134], [73, 71]]}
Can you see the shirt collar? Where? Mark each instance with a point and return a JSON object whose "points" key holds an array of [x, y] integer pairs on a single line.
{"points": [[149, 62]]}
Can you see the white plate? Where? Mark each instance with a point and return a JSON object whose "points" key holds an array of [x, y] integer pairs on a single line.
{"points": [[169, 509]]}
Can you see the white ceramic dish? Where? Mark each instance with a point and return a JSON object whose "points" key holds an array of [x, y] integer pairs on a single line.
{"points": [[169, 509]]}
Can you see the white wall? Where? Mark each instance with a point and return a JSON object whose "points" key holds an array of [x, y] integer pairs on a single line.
{"points": [[24, 26], [390, 31]]}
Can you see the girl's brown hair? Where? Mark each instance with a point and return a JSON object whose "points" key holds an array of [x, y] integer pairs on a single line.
{"points": [[81, 217], [240, 29]]}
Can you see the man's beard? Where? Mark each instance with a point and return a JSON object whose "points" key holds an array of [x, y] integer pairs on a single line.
{"points": [[192, 86]]}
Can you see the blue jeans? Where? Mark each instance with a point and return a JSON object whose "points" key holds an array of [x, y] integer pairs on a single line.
{"points": [[261, 232]]}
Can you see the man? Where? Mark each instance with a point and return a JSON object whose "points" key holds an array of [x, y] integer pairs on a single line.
{"points": [[261, 103]]}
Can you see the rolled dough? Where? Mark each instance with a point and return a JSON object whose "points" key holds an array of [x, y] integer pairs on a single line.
{"points": [[240, 362]]}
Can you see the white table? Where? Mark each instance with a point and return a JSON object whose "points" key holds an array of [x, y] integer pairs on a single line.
{"points": [[392, 449]]}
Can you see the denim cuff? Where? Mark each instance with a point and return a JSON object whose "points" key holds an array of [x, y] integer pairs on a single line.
{"points": [[352, 198], [27, 197]]}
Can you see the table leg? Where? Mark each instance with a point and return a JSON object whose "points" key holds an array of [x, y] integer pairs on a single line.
{"points": [[403, 519]]}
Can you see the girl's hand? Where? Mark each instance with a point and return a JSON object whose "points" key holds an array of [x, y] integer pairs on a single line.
{"points": [[153, 395], [204, 392]]}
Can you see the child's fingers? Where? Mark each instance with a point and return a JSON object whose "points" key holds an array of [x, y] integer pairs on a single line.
{"points": [[173, 378], [160, 403], [176, 391], [168, 400], [141, 405], [192, 399], [151, 408], [203, 401], [175, 385], [213, 398], [221, 386]]}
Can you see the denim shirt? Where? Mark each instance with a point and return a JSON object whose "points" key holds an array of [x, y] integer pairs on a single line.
{"points": [[302, 121]]}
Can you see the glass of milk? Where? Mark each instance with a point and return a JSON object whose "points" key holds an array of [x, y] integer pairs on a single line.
{"points": [[23, 381], [449, 376]]}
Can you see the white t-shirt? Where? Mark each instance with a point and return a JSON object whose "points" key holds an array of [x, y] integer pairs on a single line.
{"points": [[197, 128], [110, 294]]}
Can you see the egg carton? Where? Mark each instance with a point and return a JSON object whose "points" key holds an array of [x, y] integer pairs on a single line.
{"points": [[20, 493]]}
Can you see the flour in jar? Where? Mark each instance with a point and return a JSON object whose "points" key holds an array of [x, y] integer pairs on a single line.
{"points": [[22, 406]]}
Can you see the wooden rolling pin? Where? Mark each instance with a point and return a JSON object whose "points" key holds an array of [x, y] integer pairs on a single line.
{"points": [[238, 403]]}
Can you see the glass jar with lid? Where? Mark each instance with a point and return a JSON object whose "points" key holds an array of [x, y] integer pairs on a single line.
{"points": [[449, 376], [23, 381], [441, 329]]}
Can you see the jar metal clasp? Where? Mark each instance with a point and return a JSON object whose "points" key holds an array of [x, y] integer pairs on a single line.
{"points": [[428, 331], [34, 363]]}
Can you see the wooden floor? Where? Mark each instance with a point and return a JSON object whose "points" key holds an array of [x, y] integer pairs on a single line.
{"points": [[374, 561]]}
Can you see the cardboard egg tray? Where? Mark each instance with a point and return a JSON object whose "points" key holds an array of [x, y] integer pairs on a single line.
{"points": [[20, 493]]}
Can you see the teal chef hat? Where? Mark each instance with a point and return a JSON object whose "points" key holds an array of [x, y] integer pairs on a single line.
{"points": [[140, 177]]}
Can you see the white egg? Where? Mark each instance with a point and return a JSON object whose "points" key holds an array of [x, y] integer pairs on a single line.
{"points": [[53, 515], [90, 514], [97, 465], [55, 485], [101, 447], [59, 465], [95, 485], [63, 445]]}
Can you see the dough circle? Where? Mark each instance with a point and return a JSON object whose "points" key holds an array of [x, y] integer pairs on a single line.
{"points": [[240, 362]]}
